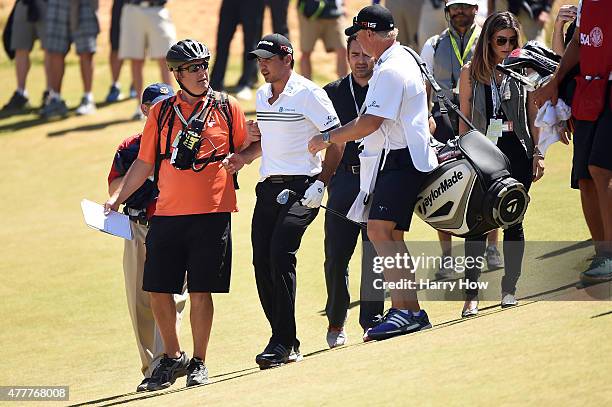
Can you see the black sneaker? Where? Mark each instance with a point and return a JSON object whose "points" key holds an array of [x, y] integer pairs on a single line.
{"points": [[17, 102], [274, 355], [197, 372], [54, 108], [168, 370], [144, 384]]}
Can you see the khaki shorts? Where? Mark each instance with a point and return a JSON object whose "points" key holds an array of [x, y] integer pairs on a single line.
{"points": [[23, 32], [145, 31], [331, 31]]}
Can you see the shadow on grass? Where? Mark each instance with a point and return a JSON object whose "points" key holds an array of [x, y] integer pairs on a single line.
{"points": [[603, 314], [89, 127], [484, 312], [37, 120]]}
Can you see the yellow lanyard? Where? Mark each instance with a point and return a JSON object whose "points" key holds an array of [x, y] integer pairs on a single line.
{"points": [[467, 49]]}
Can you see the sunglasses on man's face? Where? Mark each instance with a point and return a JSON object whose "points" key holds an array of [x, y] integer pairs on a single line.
{"points": [[456, 7], [193, 68], [501, 41]]}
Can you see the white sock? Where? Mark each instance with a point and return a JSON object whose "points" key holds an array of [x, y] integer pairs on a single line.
{"points": [[409, 312], [88, 96], [53, 95], [22, 92], [116, 84]]}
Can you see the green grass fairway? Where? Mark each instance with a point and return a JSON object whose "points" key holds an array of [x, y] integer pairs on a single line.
{"points": [[65, 320]]}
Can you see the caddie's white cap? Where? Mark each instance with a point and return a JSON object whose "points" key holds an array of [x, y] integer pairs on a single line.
{"points": [[470, 2]]}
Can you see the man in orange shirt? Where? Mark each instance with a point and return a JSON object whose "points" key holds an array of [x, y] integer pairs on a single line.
{"points": [[183, 143]]}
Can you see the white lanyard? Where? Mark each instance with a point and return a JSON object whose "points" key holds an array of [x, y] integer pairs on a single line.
{"points": [[359, 111], [496, 94], [193, 116]]}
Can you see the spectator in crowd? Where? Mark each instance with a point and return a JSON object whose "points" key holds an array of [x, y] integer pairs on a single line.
{"points": [[407, 15], [532, 14], [431, 22], [347, 95], [322, 19], [67, 22], [248, 14], [146, 29], [278, 9], [114, 93], [501, 108], [28, 25], [592, 162], [140, 207]]}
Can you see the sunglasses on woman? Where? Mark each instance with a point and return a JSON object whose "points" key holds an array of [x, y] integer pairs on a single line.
{"points": [[193, 68], [501, 41]]}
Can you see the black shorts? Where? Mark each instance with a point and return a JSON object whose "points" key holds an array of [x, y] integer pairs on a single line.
{"points": [[115, 26], [592, 144], [396, 190], [200, 245]]}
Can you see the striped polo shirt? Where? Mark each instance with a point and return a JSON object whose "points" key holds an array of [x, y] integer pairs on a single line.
{"points": [[302, 111]]}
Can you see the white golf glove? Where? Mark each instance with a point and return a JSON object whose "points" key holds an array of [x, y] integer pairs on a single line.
{"points": [[314, 195]]}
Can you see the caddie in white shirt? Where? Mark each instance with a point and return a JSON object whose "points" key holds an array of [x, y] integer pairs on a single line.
{"points": [[290, 109], [396, 105]]}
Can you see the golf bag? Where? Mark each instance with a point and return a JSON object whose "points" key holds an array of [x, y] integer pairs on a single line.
{"points": [[471, 192]]}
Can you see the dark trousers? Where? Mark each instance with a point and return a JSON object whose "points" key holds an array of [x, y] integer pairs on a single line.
{"points": [[278, 9], [514, 237], [276, 234], [340, 240], [249, 14]]}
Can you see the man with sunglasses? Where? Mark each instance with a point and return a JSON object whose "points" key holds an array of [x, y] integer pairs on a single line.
{"points": [[396, 108], [183, 143], [140, 207], [289, 109]]}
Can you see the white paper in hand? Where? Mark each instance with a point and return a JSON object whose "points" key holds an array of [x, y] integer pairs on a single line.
{"points": [[114, 223]]}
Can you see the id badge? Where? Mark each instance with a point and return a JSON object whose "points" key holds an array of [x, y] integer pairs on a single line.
{"points": [[494, 131]]}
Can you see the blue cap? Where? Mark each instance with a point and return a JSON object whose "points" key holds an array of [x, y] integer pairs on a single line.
{"points": [[156, 92]]}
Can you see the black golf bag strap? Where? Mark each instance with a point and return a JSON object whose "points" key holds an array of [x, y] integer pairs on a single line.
{"points": [[166, 117], [223, 105], [444, 101]]}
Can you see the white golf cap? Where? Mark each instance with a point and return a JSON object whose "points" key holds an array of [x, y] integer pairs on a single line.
{"points": [[470, 2]]}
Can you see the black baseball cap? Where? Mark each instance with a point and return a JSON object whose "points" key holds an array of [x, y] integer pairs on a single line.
{"points": [[374, 17], [270, 45], [156, 92]]}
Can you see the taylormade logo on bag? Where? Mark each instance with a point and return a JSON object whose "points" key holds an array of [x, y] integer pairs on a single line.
{"points": [[445, 185]]}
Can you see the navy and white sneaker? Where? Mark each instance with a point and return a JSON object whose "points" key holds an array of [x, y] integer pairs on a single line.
{"points": [[396, 322], [274, 355]]}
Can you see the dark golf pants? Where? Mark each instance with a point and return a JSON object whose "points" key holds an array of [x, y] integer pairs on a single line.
{"points": [[249, 14], [276, 234], [340, 240]]}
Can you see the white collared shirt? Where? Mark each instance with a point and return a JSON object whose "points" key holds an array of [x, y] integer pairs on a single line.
{"points": [[301, 111], [397, 94]]}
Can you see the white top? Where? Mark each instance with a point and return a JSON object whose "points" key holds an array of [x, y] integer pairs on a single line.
{"points": [[578, 13], [301, 111], [428, 51], [397, 93]]}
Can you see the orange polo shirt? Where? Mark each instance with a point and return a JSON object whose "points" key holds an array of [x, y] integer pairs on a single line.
{"points": [[185, 192]]}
